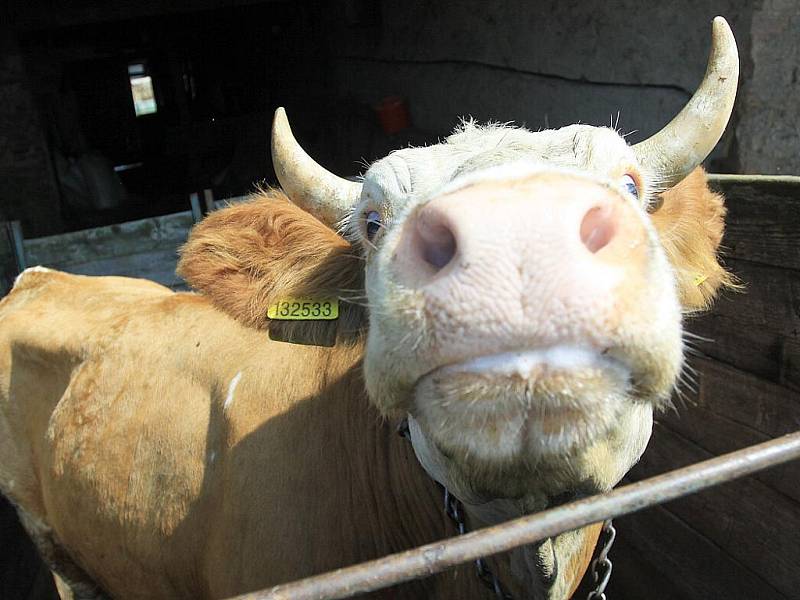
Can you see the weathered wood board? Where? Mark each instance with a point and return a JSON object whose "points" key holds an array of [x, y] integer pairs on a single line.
{"points": [[740, 540], [146, 248]]}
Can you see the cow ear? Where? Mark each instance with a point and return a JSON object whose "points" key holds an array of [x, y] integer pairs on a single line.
{"points": [[690, 224], [249, 255]]}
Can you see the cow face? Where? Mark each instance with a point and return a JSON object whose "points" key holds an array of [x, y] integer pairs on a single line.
{"points": [[522, 308], [524, 289]]}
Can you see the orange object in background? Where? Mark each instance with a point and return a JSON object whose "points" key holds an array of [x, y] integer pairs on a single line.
{"points": [[393, 115]]}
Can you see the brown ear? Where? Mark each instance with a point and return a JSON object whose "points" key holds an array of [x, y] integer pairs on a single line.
{"points": [[248, 255], [690, 225]]}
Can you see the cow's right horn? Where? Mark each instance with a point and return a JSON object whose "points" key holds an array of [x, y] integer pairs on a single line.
{"points": [[309, 185], [672, 153]]}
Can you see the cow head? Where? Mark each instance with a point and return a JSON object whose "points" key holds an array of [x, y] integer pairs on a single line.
{"points": [[524, 290]]}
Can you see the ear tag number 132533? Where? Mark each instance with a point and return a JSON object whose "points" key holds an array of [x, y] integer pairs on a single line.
{"points": [[304, 309]]}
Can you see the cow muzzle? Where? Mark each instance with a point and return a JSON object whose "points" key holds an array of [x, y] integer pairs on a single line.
{"points": [[548, 259]]}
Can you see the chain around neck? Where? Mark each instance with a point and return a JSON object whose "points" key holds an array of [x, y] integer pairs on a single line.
{"points": [[600, 568]]}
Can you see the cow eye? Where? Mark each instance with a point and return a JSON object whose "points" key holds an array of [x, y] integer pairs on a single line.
{"points": [[629, 184], [373, 221]]}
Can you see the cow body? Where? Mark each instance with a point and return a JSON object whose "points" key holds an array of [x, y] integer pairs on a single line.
{"points": [[221, 462], [517, 296], [214, 458]]}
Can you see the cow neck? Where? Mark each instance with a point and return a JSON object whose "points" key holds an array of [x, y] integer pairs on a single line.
{"points": [[394, 506], [535, 566]]}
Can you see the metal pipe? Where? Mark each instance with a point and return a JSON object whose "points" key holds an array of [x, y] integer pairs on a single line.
{"points": [[436, 557], [753, 179], [14, 229], [194, 203]]}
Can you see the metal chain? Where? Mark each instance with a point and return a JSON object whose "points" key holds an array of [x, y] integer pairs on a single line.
{"points": [[601, 566], [454, 509]]}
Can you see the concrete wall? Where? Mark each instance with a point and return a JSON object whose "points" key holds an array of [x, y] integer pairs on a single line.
{"points": [[550, 63], [769, 127]]}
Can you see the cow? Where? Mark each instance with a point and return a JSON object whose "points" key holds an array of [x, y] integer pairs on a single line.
{"points": [[516, 297]]}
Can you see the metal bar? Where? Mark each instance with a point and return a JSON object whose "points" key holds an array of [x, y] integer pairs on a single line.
{"points": [[197, 212], [208, 199], [436, 557], [14, 229], [752, 179]]}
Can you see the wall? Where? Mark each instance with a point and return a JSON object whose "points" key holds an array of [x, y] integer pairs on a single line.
{"points": [[27, 186], [547, 64], [769, 129], [543, 64], [738, 540]]}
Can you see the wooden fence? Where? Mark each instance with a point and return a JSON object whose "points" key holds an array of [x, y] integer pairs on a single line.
{"points": [[741, 540], [146, 248]]}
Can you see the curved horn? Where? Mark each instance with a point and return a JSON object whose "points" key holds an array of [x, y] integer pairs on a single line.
{"points": [[310, 186], [684, 143]]}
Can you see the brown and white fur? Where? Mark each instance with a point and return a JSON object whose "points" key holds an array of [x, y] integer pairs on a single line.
{"points": [[162, 445]]}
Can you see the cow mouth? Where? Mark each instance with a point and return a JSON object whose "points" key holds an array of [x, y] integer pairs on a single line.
{"points": [[536, 401], [529, 362]]}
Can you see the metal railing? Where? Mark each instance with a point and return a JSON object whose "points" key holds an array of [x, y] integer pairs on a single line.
{"points": [[439, 556]]}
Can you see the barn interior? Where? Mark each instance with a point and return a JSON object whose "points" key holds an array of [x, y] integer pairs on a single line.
{"points": [[114, 113]]}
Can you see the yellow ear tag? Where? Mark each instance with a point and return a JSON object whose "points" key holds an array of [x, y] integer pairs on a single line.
{"points": [[700, 279], [304, 309]]}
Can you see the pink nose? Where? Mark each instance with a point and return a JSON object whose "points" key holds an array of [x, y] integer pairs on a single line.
{"points": [[514, 247]]}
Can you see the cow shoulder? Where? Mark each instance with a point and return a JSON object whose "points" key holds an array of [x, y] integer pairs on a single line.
{"points": [[252, 254], [690, 224]]}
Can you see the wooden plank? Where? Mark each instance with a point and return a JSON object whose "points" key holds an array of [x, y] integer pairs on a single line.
{"points": [[157, 265], [752, 350], [754, 524], [80, 247], [717, 435], [770, 299], [750, 329], [144, 248], [790, 364], [731, 410], [659, 557], [751, 403], [762, 220]]}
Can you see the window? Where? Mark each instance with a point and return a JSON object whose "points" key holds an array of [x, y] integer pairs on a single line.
{"points": [[144, 99]]}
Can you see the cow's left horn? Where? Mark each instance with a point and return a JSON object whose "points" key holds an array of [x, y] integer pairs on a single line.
{"points": [[309, 185], [672, 153]]}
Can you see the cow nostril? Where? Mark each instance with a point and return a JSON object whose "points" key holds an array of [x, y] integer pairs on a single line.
{"points": [[598, 228], [438, 244]]}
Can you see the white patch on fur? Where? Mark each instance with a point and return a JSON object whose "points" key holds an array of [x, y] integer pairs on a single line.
{"points": [[36, 269], [231, 390]]}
